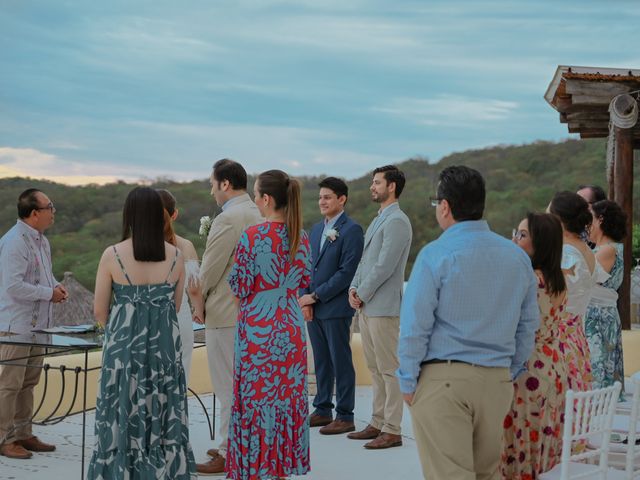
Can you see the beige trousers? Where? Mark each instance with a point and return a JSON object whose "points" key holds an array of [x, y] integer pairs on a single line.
{"points": [[16, 391], [380, 344], [220, 347], [457, 414]]}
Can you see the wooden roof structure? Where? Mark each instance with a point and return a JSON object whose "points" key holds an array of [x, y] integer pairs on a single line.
{"points": [[582, 96]]}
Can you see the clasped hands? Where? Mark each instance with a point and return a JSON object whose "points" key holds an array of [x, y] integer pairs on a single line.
{"points": [[60, 294]]}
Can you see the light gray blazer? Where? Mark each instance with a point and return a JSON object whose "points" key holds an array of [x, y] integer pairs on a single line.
{"points": [[380, 275]]}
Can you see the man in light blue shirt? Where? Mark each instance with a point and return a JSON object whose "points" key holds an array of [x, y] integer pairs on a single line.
{"points": [[467, 327]]}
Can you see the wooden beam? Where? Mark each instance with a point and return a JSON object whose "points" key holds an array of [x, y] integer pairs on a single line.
{"points": [[591, 100], [623, 186], [598, 89], [593, 135], [588, 128], [595, 116]]}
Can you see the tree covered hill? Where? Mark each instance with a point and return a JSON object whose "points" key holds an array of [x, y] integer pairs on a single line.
{"points": [[519, 178]]}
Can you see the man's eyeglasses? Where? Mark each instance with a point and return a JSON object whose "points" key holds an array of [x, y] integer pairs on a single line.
{"points": [[48, 207], [519, 234], [435, 201]]}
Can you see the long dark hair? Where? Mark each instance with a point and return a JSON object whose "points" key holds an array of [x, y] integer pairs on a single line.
{"points": [[143, 222], [546, 238], [286, 193], [169, 203]]}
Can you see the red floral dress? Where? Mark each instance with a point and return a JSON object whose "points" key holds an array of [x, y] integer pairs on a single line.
{"points": [[269, 430], [532, 440]]}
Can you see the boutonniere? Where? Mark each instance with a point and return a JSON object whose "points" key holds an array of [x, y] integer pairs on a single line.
{"points": [[205, 226], [331, 235]]}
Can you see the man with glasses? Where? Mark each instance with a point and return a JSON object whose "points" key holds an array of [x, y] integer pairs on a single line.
{"points": [[28, 291], [467, 327]]}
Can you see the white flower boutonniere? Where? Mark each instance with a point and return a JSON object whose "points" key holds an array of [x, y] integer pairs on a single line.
{"points": [[205, 226], [331, 235]]}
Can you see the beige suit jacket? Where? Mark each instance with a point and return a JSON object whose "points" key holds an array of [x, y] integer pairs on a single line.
{"points": [[220, 307]]}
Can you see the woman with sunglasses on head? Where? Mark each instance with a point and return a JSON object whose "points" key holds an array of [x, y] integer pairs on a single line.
{"points": [[582, 272], [602, 321], [532, 440]]}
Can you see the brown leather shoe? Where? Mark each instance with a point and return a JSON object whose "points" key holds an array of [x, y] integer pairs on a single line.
{"points": [[316, 420], [13, 450], [384, 440], [368, 433], [35, 445], [215, 466], [337, 427], [213, 452]]}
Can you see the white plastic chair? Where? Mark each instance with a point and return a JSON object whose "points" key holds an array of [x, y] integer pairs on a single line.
{"points": [[587, 416], [627, 455]]}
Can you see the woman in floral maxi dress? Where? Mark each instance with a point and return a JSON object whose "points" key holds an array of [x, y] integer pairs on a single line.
{"points": [[269, 431], [141, 424], [602, 321], [532, 439]]}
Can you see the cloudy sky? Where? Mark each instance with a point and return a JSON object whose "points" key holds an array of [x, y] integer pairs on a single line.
{"points": [[140, 89]]}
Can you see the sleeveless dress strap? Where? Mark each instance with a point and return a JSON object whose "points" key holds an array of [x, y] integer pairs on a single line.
{"points": [[126, 275], [175, 259]]}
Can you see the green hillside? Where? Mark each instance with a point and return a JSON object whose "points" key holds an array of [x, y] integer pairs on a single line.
{"points": [[519, 178]]}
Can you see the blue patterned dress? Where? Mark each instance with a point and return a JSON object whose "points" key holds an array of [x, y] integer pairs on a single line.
{"points": [[603, 328], [141, 413], [269, 430]]}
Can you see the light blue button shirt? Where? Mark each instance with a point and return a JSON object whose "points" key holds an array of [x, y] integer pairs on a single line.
{"points": [[328, 225], [472, 297]]}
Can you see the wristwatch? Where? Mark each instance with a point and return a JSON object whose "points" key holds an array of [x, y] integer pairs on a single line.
{"points": [[314, 295]]}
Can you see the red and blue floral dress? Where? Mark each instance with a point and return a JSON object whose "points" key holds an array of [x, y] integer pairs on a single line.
{"points": [[269, 430]]}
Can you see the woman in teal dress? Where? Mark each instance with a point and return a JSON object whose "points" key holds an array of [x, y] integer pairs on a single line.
{"points": [[141, 411], [602, 321]]}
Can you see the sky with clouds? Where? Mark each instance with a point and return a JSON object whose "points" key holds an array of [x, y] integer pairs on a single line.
{"points": [[137, 89]]}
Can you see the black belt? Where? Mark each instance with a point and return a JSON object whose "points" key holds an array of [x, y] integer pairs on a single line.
{"points": [[436, 361]]}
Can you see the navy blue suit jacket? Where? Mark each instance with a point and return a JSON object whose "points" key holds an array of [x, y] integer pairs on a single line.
{"points": [[334, 266]]}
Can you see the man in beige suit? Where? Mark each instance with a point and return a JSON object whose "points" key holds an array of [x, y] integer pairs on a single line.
{"points": [[229, 188]]}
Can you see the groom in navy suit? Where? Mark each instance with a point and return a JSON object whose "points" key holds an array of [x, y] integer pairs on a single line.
{"points": [[336, 246]]}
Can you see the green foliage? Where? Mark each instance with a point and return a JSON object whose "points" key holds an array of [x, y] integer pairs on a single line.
{"points": [[519, 179]]}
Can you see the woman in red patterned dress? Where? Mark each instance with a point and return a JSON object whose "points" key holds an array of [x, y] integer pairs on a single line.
{"points": [[532, 440], [269, 431]]}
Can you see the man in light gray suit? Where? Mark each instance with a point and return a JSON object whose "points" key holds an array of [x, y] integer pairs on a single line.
{"points": [[376, 291], [229, 188]]}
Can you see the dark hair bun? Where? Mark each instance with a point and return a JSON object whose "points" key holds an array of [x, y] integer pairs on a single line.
{"points": [[573, 211]]}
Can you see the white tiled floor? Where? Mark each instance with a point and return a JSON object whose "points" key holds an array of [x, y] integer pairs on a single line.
{"points": [[332, 457]]}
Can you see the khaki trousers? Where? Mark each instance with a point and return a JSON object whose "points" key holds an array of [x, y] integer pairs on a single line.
{"points": [[379, 345], [16, 391], [457, 414], [220, 347]]}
